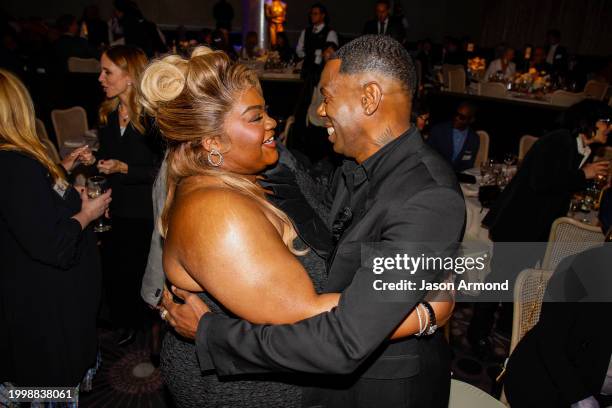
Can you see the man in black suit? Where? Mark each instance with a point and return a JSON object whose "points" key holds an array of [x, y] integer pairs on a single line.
{"points": [[556, 54], [396, 189], [455, 140], [556, 167], [565, 360], [384, 24]]}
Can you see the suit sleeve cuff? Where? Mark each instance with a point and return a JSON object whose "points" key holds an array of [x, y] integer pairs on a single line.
{"points": [[201, 341]]}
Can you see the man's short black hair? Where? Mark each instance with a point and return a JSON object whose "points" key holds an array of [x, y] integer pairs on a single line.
{"points": [[582, 117], [320, 6], [378, 53]]}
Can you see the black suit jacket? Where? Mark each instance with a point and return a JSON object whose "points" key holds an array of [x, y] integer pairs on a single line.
{"points": [[540, 192], [441, 139], [395, 29], [565, 357], [560, 59], [411, 195]]}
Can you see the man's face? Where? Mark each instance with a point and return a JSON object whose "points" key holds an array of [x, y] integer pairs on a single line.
{"points": [[341, 109], [462, 118], [316, 17], [382, 12]]}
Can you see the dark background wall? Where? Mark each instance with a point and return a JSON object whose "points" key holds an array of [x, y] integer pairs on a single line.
{"points": [[585, 23], [432, 18]]}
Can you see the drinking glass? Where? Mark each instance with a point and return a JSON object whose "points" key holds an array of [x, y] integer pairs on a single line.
{"points": [[96, 186]]}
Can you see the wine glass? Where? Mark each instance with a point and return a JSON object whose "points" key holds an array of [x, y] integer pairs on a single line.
{"points": [[96, 186]]}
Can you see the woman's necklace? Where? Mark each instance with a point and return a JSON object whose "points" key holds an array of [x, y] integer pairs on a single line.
{"points": [[123, 117]]}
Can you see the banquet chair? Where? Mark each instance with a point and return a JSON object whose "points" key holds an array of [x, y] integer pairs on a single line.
{"points": [[84, 65], [69, 124], [493, 89], [565, 98], [595, 90], [483, 151], [456, 80], [569, 237], [287, 130], [525, 144], [41, 132], [464, 395], [529, 291], [446, 69]]}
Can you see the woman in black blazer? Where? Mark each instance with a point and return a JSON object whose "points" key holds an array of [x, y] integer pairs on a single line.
{"points": [[129, 155], [50, 278]]}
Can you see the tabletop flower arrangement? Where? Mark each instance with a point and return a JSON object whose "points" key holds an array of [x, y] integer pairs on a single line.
{"points": [[532, 81], [476, 67]]}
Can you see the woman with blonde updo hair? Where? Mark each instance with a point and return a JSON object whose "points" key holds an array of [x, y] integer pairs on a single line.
{"points": [[129, 156], [50, 277], [220, 139]]}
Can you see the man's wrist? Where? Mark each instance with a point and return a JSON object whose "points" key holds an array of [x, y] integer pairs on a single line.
{"points": [[201, 341]]}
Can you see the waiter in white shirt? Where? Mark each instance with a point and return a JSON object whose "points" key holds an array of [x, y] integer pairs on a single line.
{"points": [[312, 41], [556, 55]]}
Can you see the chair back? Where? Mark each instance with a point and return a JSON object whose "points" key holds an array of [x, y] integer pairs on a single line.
{"points": [[446, 69], [464, 395], [525, 144], [84, 65], [529, 291], [595, 90], [483, 151], [284, 135], [41, 132], [569, 237], [493, 89], [456, 80], [69, 124], [564, 98]]}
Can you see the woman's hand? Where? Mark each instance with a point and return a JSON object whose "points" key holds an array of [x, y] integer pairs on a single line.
{"points": [[112, 166], [81, 154], [92, 208]]}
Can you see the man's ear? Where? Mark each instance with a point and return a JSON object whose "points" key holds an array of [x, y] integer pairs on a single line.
{"points": [[371, 97]]}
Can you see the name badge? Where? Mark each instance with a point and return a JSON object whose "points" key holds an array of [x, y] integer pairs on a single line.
{"points": [[467, 157]]}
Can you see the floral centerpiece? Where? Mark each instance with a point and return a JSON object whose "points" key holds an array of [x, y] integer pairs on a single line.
{"points": [[532, 81], [476, 67]]}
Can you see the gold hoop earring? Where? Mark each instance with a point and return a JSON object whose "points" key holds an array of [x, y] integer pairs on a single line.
{"points": [[219, 160]]}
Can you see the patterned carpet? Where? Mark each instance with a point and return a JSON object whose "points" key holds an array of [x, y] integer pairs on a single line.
{"points": [[127, 379]]}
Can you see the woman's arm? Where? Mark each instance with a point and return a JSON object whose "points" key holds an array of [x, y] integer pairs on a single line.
{"points": [[243, 263]]}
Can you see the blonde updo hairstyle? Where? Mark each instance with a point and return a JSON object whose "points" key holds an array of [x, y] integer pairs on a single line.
{"points": [[190, 98]]}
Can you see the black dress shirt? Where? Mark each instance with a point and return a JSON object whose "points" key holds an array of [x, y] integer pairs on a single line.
{"points": [[409, 194]]}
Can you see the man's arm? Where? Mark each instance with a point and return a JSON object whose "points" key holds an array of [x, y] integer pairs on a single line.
{"points": [[338, 341]]}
